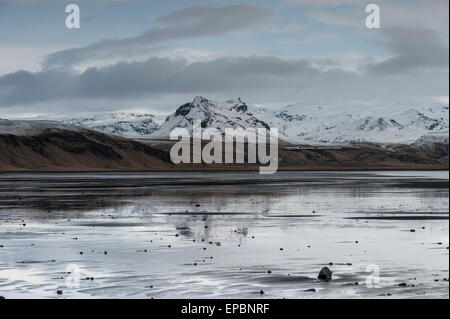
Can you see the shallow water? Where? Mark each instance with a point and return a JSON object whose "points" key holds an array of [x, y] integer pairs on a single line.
{"points": [[224, 235]]}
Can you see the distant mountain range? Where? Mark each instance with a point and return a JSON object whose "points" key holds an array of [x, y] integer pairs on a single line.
{"points": [[303, 124], [299, 124]]}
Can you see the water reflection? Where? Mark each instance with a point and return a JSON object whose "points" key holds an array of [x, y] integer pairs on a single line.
{"points": [[223, 235]]}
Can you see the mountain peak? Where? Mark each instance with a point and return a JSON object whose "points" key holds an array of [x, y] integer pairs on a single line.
{"points": [[199, 100]]}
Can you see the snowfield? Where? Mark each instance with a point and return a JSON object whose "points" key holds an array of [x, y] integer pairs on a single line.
{"points": [[130, 125]]}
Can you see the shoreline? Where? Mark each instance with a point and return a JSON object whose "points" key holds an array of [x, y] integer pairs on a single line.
{"points": [[231, 170]]}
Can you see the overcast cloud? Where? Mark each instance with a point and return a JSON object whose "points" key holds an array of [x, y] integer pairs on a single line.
{"points": [[405, 62], [193, 22]]}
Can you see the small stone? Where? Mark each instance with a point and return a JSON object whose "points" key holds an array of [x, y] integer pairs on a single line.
{"points": [[262, 292], [325, 274], [59, 292], [310, 290], [403, 284]]}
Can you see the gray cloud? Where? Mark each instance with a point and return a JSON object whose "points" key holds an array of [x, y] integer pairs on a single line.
{"points": [[261, 79], [192, 22], [412, 48], [154, 76], [323, 3]]}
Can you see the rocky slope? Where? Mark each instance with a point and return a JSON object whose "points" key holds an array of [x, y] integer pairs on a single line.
{"points": [[52, 146]]}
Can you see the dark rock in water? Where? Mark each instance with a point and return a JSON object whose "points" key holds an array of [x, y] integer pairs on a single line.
{"points": [[310, 290], [262, 292], [59, 292], [325, 274], [402, 284], [2, 298]]}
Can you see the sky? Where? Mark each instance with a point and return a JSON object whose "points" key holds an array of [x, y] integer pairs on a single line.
{"points": [[154, 55]]}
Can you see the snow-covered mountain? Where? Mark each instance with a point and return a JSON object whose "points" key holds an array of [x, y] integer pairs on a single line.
{"points": [[431, 139], [131, 125], [24, 127], [316, 124], [345, 125], [299, 123], [218, 115]]}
